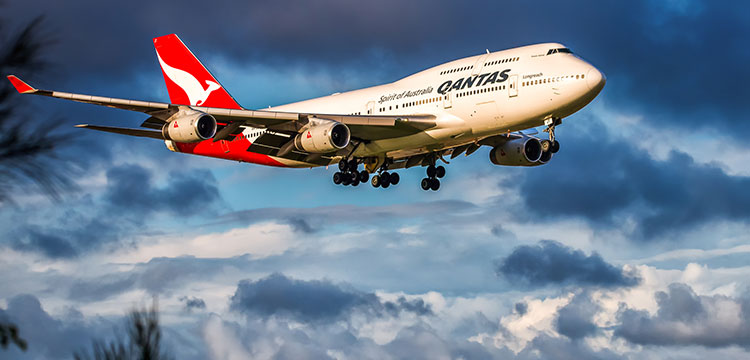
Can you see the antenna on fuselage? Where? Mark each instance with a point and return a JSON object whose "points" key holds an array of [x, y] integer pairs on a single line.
{"points": [[487, 50]]}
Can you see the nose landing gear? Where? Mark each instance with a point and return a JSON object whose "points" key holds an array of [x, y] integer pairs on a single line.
{"points": [[551, 145]]}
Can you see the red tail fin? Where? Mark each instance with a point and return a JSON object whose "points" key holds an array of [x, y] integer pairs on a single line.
{"points": [[188, 81]]}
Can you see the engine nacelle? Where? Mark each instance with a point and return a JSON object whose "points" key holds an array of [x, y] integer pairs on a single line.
{"points": [[323, 136], [525, 151], [189, 127]]}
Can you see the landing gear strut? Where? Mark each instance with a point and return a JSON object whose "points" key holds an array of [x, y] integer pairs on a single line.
{"points": [[349, 173], [553, 145]]}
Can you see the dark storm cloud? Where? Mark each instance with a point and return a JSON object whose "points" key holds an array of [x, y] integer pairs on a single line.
{"points": [[684, 318], [193, 303], [575, 320], [132, 189], [618, 180], [314, 300], [131, 194], [551, 262], [81, 235]]}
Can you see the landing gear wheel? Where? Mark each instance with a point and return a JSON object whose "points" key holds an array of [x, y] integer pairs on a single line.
{"points": [[440, 171], [434, 184], [337, 178], [394, 179], [384, 184], [425, 184], [343, 165], [555, 146], [385, 177], [375, 181], [353, 165], [355, 182], [346, 180], [546, 145], [431, 171], [364, 176]]}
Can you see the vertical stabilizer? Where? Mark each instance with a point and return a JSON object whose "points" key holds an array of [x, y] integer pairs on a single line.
{"points": [[188, 81]]}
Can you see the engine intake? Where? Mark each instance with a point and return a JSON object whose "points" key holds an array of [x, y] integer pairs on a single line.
{"points": [[323, 136], [525, 151], [194, 126]]}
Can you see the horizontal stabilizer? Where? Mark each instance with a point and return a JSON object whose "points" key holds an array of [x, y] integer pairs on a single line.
{"points": [[125, 131]]}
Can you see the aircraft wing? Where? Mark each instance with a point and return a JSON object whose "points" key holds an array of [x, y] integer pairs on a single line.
{"points": [[362, 127]]}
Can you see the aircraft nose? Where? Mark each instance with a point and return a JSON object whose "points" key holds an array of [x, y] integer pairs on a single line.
{"points": [[595, 79]]}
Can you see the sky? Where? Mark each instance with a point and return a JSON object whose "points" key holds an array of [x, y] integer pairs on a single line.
{"points": [[631, 243]]}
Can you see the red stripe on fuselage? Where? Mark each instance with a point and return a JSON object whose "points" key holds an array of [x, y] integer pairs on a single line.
{"points": [[228, 149]]}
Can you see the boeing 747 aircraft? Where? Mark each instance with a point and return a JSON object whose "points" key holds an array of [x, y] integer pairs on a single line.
{"points": [[420, 120]]}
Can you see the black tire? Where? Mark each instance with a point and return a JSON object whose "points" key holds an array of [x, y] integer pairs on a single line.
{"points": [[337, 178], [353, 165], [364, 176], [546, 145], [375, 181], [434, 184], [431, 171], [343, 165], [425, 184], [440, 171], [385, 178], [394, 179], [355, 182], [346, 180], [384, 184], [555, 147]]}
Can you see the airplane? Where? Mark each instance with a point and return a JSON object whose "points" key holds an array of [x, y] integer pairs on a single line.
{"points": [[443, 111]]}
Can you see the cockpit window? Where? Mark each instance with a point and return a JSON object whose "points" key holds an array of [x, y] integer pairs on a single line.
{"points": [[560, 50]]}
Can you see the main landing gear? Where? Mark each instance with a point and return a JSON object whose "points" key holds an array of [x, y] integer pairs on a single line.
{"points": [[431, 182], [349, 174], [551, 145], [385, 179]]}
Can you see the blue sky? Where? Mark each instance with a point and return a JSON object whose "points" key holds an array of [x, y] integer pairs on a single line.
{"points": [[631, 243]]}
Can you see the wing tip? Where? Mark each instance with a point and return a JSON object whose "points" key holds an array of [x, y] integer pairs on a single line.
{"points": [[20, 85], [81, 125]]}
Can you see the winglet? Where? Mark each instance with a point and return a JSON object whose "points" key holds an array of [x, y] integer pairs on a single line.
{"points": [[20, 86]]}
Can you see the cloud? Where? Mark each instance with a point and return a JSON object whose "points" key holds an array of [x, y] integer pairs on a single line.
{"points": [[551, 262], [314, 300], [81, 235], [48, 337], [684, 318], [575, 320], [193, 303], [131, 189], [618, 181]]}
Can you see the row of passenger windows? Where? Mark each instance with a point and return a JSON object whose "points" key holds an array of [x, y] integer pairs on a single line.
{"points": [[413, 103], [502, 61], [550, 80], [450, 71], [481, 91]]}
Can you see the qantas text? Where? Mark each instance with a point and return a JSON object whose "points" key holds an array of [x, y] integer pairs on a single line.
{"points": [[480, 80]]}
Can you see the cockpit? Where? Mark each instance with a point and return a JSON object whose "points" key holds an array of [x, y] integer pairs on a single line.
{"points": [[559, 50]]}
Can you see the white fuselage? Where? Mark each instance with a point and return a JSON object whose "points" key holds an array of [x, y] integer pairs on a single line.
{"points": [[471, 98]]}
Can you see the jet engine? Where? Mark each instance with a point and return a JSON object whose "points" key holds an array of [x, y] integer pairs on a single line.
{"points": [[190, 127], [524, 151], [323, 136]]}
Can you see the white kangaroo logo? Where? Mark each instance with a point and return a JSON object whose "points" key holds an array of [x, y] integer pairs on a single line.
{"points": [[192, 87]]}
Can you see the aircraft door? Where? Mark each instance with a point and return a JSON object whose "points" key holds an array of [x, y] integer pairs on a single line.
{"points": [[513, 86], [370, 108], [447, 101]]}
